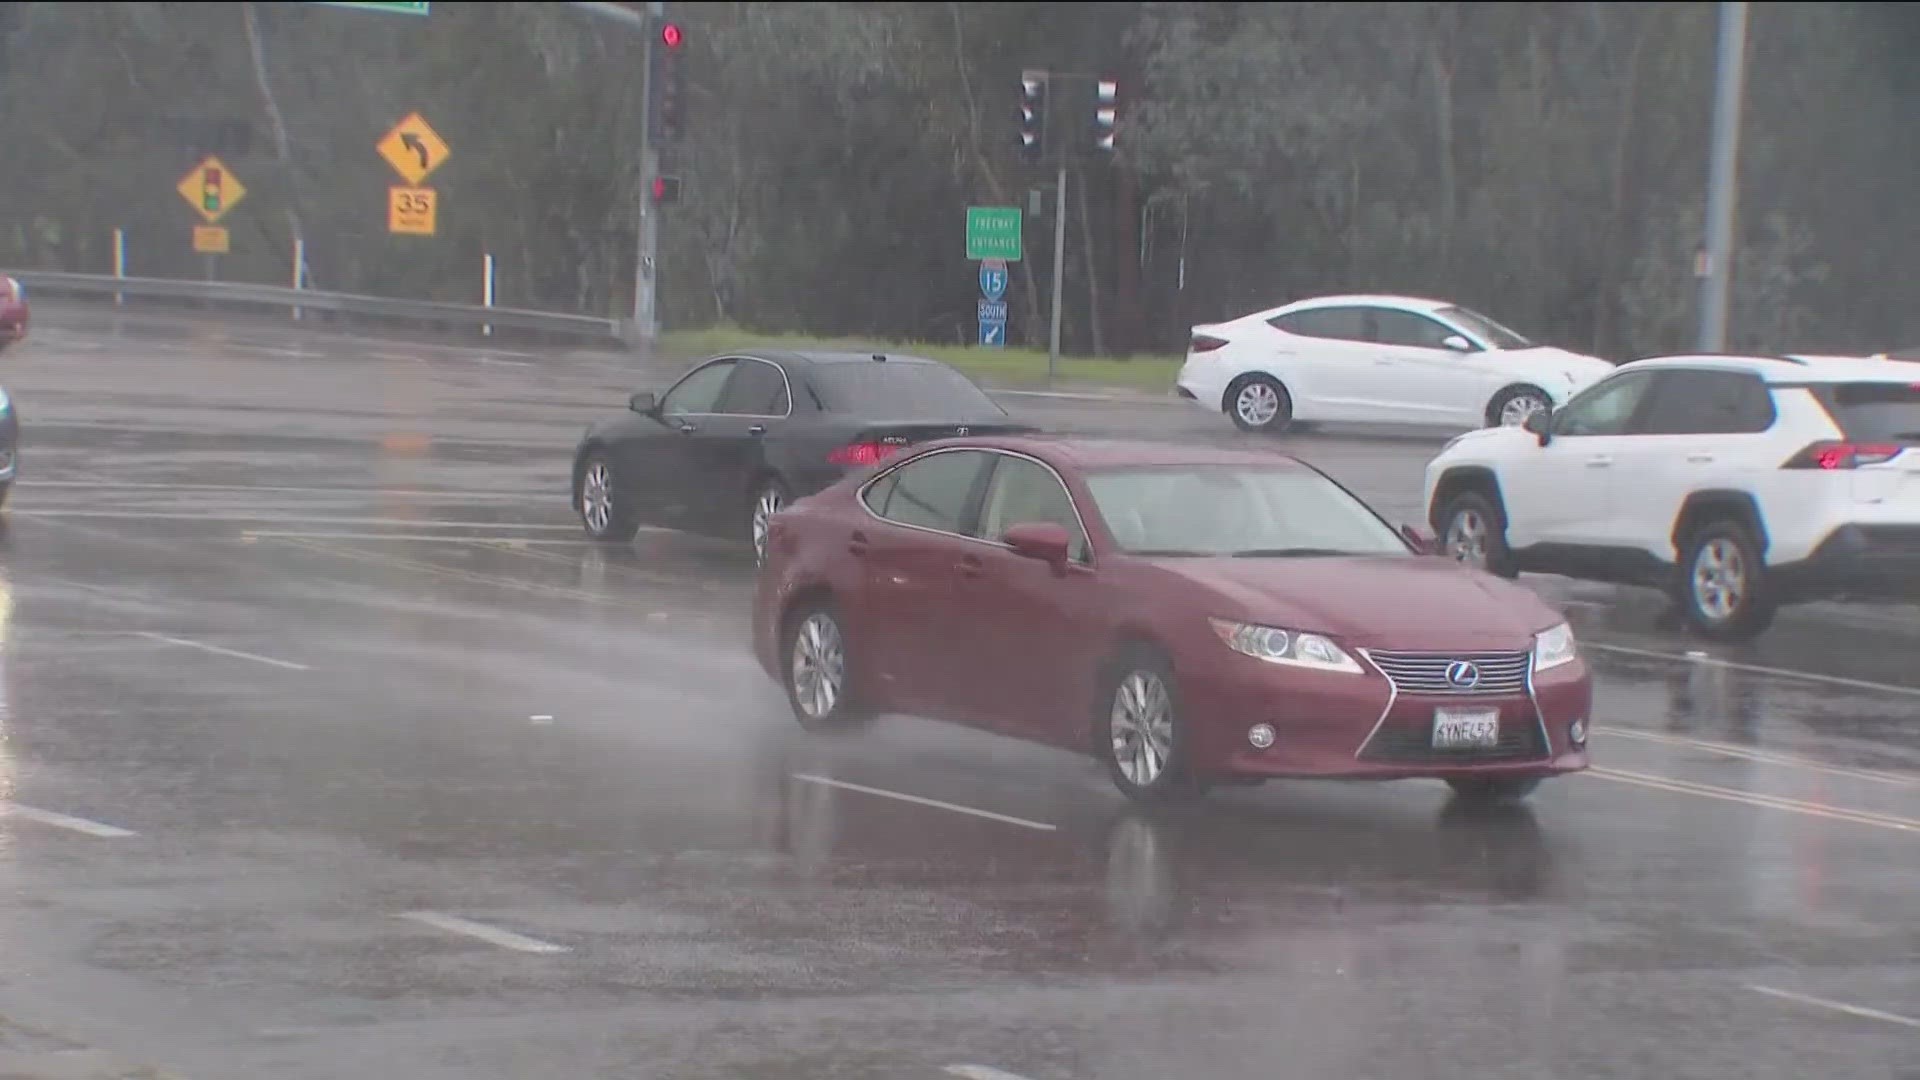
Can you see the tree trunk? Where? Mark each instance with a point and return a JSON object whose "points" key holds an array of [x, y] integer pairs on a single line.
{"points": [[282, 147]]}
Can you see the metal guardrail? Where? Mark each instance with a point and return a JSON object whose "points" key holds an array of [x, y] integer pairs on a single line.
{"points": [[280, 296]]}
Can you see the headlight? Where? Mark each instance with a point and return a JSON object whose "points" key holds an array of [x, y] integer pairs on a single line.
{"points": [[19, 290], [1277, 646], [5, 401], [1554, 647]]}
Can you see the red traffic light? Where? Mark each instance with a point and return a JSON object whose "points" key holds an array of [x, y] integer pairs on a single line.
{"points": [[671, 36]]}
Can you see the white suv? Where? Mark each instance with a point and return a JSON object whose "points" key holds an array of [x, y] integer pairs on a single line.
{"points": [[1735, 483], [1376, 360]]}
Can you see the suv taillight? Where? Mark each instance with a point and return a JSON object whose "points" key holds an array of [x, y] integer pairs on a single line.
{"points": [[1205, 343], [1831, 455]]}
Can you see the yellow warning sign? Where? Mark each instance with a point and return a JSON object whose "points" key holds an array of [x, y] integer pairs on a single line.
{"points": [[413, 148], [210, 239]]}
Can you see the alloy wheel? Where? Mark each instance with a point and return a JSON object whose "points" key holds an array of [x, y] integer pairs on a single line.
{"points": [[1719, 579], [1141, 726], [1257, 404], [596, 497], [819, 666], [1520, 408], [1466, 538], [765, 505]]}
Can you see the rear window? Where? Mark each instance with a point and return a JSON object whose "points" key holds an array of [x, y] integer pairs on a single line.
{"points": [[895, 391], [1875, 412]]}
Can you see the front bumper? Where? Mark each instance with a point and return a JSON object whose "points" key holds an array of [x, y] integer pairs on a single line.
{"points": [[1856, 562], [1340, 725]]}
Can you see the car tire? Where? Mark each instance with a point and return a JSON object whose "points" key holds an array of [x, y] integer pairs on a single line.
{"points": [[816, 668], [1492, 790], [1512, 406], [1482, 534], [1724, 589], [597, 499], [1259, 403], [1140, 732], [6, 489], [769, 498]]}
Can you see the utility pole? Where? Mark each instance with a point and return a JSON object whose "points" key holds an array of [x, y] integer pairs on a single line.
{"points": [[1723, 177], [1059, 265]]}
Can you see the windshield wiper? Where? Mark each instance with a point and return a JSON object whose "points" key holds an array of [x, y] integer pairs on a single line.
{"points": [[1285, 553]]}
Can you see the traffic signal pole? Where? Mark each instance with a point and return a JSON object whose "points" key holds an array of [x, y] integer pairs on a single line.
{"points": [[1059, 266], [646, 325]]}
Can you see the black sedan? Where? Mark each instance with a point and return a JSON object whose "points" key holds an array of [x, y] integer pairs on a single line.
{"points": [[740, 436]]}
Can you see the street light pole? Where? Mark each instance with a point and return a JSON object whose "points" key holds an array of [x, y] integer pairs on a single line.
{"points": [[1723, 178]]}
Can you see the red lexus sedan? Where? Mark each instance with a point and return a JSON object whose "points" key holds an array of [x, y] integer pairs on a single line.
{"points": [[1188, 615], [13, 312]]}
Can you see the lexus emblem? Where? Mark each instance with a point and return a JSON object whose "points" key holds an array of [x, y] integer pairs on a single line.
{"points": [[1463, 675]]}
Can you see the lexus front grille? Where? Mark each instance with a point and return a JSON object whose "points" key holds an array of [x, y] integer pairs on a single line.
{"points": [[1455, 673]]}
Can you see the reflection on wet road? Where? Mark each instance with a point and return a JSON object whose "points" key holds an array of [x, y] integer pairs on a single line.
{"points": [[328, 748]]}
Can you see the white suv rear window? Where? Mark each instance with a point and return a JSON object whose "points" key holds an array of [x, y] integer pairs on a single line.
{"points": [[1875, 412]]}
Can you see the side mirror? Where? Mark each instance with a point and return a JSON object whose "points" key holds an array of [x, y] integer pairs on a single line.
{"points": [[1457, 343], [644, 403], [1419, 541], [1541, 424], [1042, 540]]}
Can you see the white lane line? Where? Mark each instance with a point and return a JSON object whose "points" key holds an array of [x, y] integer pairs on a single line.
{"points": [[980, 1072], [921, 801], [444, 538], [492, 935], [65, 821], [1764, 757], [1751, 798], [290, 519], [217, 650], [1115, 399], [497, 362], [404, 493], [1836, 1006], [1759, 669]]}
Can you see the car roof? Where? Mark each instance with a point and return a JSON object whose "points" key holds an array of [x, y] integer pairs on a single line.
{"points": [[792, 357], [1805, 368], [1408, 303], [1084, 452]]}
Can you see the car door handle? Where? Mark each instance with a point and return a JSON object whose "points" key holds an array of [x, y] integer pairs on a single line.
{"points": [[687, 429], [1700, 458], [969, 566], [857, 546], [1599, 461], [757, 429]]}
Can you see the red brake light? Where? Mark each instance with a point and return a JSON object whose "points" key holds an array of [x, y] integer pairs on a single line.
{"points": [[862, 454], [1205, 343], [1842, 455]]}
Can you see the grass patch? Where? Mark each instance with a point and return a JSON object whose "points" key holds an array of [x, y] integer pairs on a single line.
{"points": [[995, 367]]}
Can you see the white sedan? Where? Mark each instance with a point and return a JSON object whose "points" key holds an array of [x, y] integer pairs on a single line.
{"points": [[1377, 360]]}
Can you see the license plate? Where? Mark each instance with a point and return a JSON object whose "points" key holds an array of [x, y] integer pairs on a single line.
{"points": [[1465, 729]]}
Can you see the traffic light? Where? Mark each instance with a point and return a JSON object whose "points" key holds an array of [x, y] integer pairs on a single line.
{"points": [[667, 86], [1033, 116], [666, 189], [210, 190], [1106, 110]]}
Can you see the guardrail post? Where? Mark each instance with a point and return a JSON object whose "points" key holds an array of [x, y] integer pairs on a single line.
{"points": [[119, 264], [486, 290], [299, 270]]}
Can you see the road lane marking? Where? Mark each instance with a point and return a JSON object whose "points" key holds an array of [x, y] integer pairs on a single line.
{"points": [[492, 935], [980, 1072], [1750, 798], [405, 493], [291, 519], [1836, 1006], [456, 574], [217, 650], [921, 801], [66, 821], [1764, 757], [1758, 669]]}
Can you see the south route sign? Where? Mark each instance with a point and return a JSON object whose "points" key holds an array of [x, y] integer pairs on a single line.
{"points": [[993, 232]]}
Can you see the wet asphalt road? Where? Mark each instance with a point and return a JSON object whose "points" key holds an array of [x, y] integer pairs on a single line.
{"points": [[332, 750]]}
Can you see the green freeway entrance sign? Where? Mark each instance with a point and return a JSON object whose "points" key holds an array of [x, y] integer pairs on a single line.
{"points": [[391, 9], [993, 232]]}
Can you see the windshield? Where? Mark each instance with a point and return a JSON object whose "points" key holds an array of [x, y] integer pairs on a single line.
{"points": [[900, 391], [1874, 412], [1484, 328], [1250, 511]]}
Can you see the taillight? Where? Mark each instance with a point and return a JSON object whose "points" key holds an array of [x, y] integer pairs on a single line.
{"points": [[862, 453], [1832, 455], [1205, 343]]}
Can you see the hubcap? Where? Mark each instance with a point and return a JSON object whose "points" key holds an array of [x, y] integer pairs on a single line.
{"points": [[1719, 579], [1467, 538], [819, 665], [1257, 404], [1141, 725], [1518, 410], [764, 507], [596, 497]]}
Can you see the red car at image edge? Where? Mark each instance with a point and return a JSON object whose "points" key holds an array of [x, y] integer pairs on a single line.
{"points": [[1187, 615], [14, 315]]}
